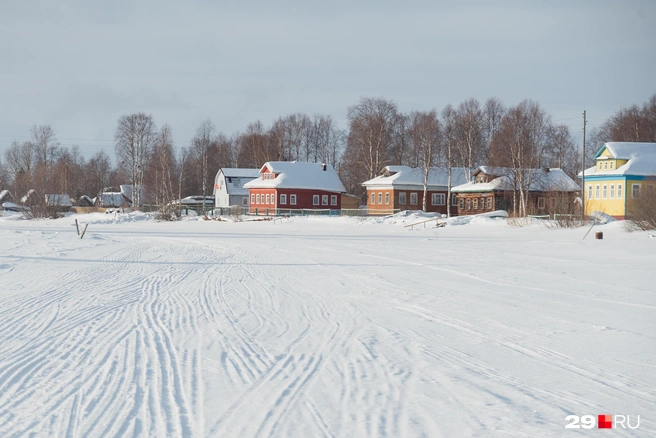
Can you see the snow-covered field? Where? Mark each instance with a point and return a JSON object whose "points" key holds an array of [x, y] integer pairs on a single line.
{"points": [[333, 327]]}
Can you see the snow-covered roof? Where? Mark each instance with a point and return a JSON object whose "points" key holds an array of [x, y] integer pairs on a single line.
{"points": [[234, 172], [126, 189], [110, 199], [195, 200], [395, 176], [641, 159], [541, 180], [59, 200], [86, 198], [299, 175], [28, 195], [5, 195], [235, 178]]}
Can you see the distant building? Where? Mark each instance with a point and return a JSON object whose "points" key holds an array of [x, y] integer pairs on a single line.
{"points": [[623, 172], [402, 188], [5, 196], [60, 202], [494, 188], [229, 190], [295, 185], [111, 200], [126, 191]]}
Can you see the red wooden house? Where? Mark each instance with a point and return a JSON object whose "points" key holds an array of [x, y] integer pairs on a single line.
{"points": [[295, 185]]}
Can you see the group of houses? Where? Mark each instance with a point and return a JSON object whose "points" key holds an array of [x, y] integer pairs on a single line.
{"points": [[109, 198], [621, 172]]}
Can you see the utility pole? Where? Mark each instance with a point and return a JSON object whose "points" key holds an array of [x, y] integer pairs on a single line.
{"points": [[583, 172]]}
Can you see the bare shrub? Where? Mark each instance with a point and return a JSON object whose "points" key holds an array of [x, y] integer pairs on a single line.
{"points": [[641, 212], [566, 221], [236, 213]]}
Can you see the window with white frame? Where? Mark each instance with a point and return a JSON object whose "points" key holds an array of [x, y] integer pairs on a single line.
{"points": [[619, 191], [605, 165], [324, 199], [589, 191], [475, 203], [611, 191], [283, 199], [437, 199], [597, 191], [252, 199], [315, 199], [468, 204], [267, 198], [373, 199], [481, 203], [541, 203], [454, 199], [386, 197], [292, 199], [611, 164], [413, 198], [461, 204], [489, 203], [604, 191], [258, 198], [380, 197], [333, 199], [402, 198], [635, 191]]}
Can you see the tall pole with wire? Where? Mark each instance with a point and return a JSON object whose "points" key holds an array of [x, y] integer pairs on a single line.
{"points": [[583, 172]]}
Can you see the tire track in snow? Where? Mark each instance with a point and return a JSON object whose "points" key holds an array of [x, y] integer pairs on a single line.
{"points": [[88, 392], [585, 369]]}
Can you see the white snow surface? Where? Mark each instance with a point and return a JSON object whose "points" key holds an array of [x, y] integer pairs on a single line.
{"points": [[336, 327]]}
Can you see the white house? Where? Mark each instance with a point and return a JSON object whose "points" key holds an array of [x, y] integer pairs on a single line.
{"points": [[229, 187]]}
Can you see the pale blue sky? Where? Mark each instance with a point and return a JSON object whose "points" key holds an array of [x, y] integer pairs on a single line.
{"points": [[79, 65]]}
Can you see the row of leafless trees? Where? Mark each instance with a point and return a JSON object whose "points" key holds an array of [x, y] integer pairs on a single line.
{"points": [[40, 163], [468, 135]]}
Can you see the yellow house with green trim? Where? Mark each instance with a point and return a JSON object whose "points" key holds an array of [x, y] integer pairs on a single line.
{"points": [[622, 172]]}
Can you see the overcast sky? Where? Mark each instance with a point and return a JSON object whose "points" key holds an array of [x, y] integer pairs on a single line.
{"points": [[80, 65]]}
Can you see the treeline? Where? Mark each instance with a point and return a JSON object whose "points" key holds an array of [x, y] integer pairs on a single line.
{"points": [[470, 134]]}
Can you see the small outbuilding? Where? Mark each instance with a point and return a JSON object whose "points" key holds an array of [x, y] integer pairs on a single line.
{"points": [[229, 190]]}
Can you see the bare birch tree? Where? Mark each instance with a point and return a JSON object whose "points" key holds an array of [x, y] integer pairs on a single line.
{"points": [[201, 145], [163, 169], [449, 141], [424, 135], [469, 135], [20, 162], [97, 173], [134, 139], [45, 149], [493, 112], [521, 142], [373, 122]]}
